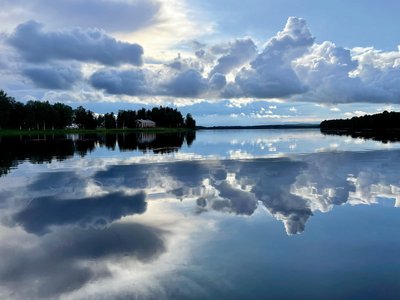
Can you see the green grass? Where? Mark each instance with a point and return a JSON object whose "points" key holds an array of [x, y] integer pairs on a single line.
{"points": [[13, 132]]}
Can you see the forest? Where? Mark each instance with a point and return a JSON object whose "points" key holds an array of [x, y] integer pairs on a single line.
{"points": [[42, 115], [382, 121]]}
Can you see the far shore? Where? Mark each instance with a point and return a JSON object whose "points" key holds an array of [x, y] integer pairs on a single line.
{"points": [[280, 126]]}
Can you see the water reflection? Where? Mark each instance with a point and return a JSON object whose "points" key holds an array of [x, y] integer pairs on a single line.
{"points": [[385, 136], [90, 212], [107, 227], [290, 189], [45, 148], [65, 260]]}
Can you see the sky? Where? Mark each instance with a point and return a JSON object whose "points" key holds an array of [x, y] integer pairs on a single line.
{"points": [[226, 62]]}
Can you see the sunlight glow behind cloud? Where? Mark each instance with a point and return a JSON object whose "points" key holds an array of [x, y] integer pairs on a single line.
{"points": [[170, 54]]}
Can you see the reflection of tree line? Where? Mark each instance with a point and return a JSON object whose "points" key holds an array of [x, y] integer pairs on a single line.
{"points": [[42, 148], [384, 136]]}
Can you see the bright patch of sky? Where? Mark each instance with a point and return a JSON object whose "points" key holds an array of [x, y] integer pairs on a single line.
{"points": [[226, 62]]}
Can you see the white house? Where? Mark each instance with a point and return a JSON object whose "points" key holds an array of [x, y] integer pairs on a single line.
{"points": [[145, 123]]}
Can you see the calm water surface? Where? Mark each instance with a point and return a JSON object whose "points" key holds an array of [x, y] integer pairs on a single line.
{"points": [[245, 214]]}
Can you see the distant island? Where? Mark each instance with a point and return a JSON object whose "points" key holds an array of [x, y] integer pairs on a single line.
{"points": [[44, 116]]}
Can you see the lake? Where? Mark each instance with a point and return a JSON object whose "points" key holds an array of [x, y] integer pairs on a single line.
{"points": [[224, 214]]}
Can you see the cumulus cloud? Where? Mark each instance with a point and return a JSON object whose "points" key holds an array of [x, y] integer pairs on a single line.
{"points": [[189, 83], [184, 64], [114, 81], [240, 52], [290, 66], [271, 74], [54, 76], [326, 71], [379, 70], [86, 45], [217, 81]]}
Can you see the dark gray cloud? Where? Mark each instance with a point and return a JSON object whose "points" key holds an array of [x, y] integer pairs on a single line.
{"points": [[184, 64], [121, 16], [57, 263], [44, 212], [217, 81], [189, 83], [240, 52], [115, 16], [54, 76], [86, 45], [129, 82]]}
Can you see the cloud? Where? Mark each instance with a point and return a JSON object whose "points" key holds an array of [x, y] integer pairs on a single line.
{"points": [[181, 82], [120, 16], [217, 81], [271, 74], [380, 71], [54, 76], [114, 16], [114, 81], [189, 83], [291, 66], [240, 52], [85, 45], [337, 75], [184, 64]]}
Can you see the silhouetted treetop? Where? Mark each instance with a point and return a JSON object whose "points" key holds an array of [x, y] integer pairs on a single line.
{"points": [[381, 121]]}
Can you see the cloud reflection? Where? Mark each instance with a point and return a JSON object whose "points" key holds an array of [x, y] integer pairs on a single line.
{"points": [[291, 189], [42, 213], [68, 259], [76, 236]]}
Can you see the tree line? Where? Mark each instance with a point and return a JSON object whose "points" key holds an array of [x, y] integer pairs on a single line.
{"points": [[381, 121], [44, 115]]}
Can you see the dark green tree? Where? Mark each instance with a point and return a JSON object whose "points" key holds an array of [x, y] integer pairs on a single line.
{"points": [[109, 121], [7, 104], [189, 121], [84, 118]]}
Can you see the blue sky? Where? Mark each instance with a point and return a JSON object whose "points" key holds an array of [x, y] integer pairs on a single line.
{"points": [[226, 62]]}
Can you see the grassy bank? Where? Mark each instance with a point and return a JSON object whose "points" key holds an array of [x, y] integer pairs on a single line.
{"points": [[11, 132]]}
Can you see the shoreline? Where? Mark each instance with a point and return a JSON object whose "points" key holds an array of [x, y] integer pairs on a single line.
{"points": [[16, 132]]}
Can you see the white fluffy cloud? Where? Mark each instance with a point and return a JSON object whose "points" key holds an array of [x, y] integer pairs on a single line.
{"points": [[290, 66], [271, 74]]}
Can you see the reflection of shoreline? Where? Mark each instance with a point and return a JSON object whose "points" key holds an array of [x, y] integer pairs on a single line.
{"points": [[146, 138], [384, 136], [43, 149]]}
